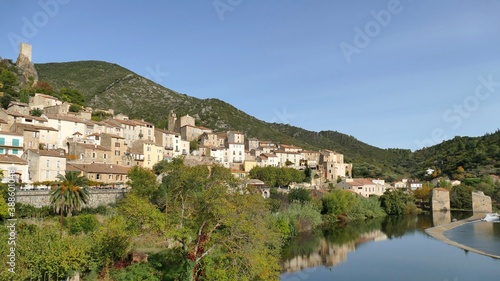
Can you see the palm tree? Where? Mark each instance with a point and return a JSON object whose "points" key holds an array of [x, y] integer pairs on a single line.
{"points": [[70, 194]]}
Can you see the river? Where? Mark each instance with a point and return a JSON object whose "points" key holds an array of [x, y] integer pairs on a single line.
{"points": [[386, 249]]}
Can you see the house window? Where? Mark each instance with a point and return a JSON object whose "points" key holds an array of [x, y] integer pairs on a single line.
{"points": [[105, 155], [15, 142], [14, 151], [1, 150], [47, 163], [148, 148], [110, 177], [117, 144], [58, 163], [30, 144], [47, 174], [117, 152], [93, 154], [98, 176]]}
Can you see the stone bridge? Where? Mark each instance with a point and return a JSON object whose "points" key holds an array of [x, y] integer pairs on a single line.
{"points": [[98, 197]]}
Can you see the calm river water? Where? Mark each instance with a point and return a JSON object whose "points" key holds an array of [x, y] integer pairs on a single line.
{"points": [[387, 249]]}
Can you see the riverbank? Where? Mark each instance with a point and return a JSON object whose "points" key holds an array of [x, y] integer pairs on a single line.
{"points": [[437, 232]]}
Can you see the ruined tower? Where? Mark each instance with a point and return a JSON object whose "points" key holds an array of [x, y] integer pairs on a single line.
{"points": [[25, 63]]}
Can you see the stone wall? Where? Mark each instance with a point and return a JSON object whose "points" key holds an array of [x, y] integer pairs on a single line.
{"points": [[481, 203], [440, 199], [40, 198]]}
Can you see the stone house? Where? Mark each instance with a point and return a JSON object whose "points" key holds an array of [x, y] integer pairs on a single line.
{"points": [[36, 136], [172, 143], [251, 143], [235, 137], [20, 107], [88, 153], [41, 101], [107, 174], [116, 145], [145, 153]]}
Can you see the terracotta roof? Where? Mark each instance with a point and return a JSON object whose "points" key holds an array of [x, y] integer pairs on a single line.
{"points": [[77, 133], [10, 133], [269, 155], [93, 146], [112, 135], [167, 132], [51, 153], [125, 122], [46, 96], [97, 168], [17, 114], [65, 117], [30, 127], [360, 182], [18, 103], [12, 159]]}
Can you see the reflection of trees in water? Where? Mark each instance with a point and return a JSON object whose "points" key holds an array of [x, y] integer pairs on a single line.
{"points": [[397, 226], [330, 244], [303, 244], [341, 234]]}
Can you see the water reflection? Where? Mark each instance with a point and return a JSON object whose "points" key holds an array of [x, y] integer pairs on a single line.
{"points": [[330, 245], [483, 236], [404, 253]]}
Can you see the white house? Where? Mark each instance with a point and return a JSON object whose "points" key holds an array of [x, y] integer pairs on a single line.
{"points": [[362, 186], [11, 143], [45, 165]]}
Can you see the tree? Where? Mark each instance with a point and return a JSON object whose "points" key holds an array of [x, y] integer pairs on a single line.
{"points": [[142, 182], [36, 112], [70, 194], [396, 202], [299, 194], [223, 231]]}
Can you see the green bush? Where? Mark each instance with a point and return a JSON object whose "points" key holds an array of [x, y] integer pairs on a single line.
{"points": [[296, 218], [82, 223], [137, 272]]}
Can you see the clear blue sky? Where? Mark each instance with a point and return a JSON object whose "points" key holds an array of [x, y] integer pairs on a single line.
{"points": [[392, 73]]}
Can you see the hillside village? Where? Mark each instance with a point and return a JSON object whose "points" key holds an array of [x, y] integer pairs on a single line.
{"points": [[41, 147]]}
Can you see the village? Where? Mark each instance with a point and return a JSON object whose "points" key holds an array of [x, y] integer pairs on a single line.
{"points": [[60, 139]]}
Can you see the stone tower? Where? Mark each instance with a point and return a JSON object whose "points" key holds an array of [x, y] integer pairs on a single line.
{"points": [[24, 63], [172, 119], [25, 50]]}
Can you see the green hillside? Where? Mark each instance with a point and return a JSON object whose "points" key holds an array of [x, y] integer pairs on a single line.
{"points": [[105, 85]]}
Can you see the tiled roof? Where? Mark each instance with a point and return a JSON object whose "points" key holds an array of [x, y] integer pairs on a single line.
{"points": [[51, 153], [30, 127], [12, 159], [93, 146], [97, 168]]}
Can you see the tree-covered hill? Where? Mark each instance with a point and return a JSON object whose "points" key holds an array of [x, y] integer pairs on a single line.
{"points": [[475, 155], [106, 85]]}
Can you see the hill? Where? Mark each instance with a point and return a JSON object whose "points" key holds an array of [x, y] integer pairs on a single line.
{"points": [[106, 85]]}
